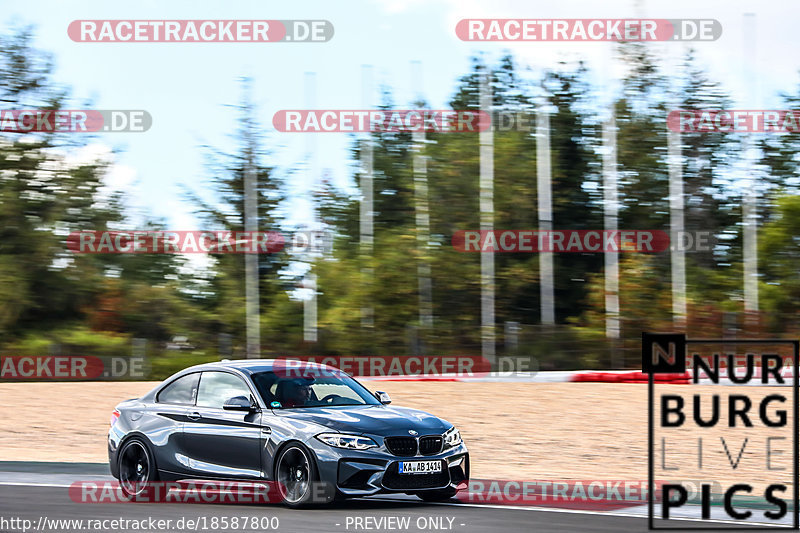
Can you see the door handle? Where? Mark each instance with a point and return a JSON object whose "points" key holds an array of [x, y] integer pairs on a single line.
{"points": [[194, 416], [266, 431]]}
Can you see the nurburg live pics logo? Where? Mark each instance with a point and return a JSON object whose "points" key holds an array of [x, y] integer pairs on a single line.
{"points": [[667, 353]]}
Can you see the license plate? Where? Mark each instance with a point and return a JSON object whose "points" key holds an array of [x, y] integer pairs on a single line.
{"points": [[420, 467]]}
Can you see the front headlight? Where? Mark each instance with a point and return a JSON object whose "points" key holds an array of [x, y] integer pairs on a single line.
{"points": [[350, 442], [451, 438]]}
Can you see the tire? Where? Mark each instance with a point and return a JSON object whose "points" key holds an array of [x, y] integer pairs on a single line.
{"points": [[437, 495], [137, 468], [295, 475]]}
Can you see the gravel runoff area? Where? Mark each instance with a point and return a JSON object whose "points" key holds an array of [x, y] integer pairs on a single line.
{"points": [[515, 431]]}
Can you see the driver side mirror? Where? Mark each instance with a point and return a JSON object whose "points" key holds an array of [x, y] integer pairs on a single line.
{"points": [[239, 403], [383, 397]]}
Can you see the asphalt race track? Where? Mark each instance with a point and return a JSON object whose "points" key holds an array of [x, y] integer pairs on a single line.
{"points": [[38, 492]]}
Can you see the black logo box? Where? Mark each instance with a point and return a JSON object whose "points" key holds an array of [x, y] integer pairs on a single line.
{"points": [[666, 353]]}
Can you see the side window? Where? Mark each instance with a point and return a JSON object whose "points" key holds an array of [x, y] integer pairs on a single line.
{"points": [[218, 387], [182, 391]]}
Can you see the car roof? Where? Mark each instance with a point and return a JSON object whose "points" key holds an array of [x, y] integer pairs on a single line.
{"points": [[252, 366], [244, 366]]}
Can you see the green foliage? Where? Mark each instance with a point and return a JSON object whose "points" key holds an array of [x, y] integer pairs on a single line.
{"points": [[71, 339], [780, 241]]}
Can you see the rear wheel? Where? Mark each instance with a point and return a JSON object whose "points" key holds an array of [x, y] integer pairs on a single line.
{"points": [[136, 468], [437, 495], [295, 473]]}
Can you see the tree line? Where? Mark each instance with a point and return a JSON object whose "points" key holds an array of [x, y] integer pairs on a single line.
{"points": [[52, 297]]}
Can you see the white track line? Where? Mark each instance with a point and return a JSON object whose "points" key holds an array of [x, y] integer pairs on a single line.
{"points": [[569, 511], [17, 484], [479, 505]]}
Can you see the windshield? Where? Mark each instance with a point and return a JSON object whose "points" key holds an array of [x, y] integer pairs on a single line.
{"points": [[281, 392]]}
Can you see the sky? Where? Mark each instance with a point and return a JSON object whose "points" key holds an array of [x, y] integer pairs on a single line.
{"points": [[190, 88]]}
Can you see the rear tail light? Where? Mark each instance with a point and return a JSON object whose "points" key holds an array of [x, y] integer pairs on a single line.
{"points": [[114, 417]]}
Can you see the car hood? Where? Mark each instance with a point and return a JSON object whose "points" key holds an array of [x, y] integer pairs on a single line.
{"points": [[370, 420]]}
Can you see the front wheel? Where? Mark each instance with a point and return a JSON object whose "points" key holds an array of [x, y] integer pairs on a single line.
{"points": [[437, 495], [295, 473]]}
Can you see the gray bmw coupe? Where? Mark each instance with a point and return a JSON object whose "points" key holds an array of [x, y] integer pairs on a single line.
{"points": [[296, 426]]}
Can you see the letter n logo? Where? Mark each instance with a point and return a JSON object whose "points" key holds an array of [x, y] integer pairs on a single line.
{"points": [[663, 353]]}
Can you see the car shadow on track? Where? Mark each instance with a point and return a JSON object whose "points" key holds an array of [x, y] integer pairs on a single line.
{"points": [[370, 503]]}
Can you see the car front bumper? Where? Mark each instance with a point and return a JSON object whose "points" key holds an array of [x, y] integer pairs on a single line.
{"points": [[367, 472]]}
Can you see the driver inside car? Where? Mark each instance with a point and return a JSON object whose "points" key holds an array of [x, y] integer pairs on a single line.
{"points": [[298, 393]]}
